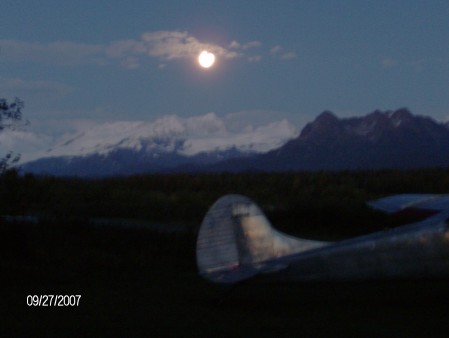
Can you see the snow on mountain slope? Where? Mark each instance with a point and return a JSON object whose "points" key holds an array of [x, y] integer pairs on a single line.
{"points": [[168, 134], [260, 139]]}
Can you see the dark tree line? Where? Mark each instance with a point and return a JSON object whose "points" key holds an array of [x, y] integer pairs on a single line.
{"points": [[314, 205]]}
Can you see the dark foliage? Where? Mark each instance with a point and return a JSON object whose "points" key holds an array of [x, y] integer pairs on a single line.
{"points": [[10, 113], [324, 204], [134, 281], [8, 161]]}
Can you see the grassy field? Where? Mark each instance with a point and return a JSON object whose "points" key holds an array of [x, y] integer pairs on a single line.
{"points": [[141, 283], [135, 281]]}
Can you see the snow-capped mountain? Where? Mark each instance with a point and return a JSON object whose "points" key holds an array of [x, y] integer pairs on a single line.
{"points": [[184, 136], [166, 143]]}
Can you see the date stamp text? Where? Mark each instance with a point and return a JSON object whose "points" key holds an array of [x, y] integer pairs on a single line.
{"points": [[53, 300]]}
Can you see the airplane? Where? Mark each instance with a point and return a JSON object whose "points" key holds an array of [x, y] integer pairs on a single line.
{"points": [[236, 242]]}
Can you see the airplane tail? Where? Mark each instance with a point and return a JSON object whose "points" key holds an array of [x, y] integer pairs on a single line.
{"points": [[236, 242]]}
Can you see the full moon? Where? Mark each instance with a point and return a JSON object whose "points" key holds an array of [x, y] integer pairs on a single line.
{"points": [[206, 59]]}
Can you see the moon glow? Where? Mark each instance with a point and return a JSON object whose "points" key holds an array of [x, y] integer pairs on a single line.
{"points": [[206, 59]]}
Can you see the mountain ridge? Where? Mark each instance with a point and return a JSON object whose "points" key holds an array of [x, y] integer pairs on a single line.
{"points": [[379, 140]]}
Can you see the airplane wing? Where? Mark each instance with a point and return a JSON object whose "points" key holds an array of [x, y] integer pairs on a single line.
{"points": [[423, 203]]}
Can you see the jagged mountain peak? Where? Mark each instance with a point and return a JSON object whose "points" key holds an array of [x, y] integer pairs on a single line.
{"points": [[326, 116], [325, 124], [372, 126], [387, 119], [381, 139], [402, 114]]}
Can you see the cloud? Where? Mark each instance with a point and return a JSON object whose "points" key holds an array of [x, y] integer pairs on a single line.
{"points": [[279, 52], [254, 58], [25, 143], [288, 56], [124, 48], [252, 44], [169, 45], [256, 118], [275, 50], [130, 53]]}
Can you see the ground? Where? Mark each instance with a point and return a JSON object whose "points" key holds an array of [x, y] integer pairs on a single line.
{"points": [[129, 286]]}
